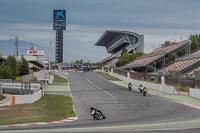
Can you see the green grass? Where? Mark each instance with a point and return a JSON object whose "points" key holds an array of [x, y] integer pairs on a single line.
{"points": [[2, 97], [106, 76], [49, 108], [58, 79], [18, 78]]}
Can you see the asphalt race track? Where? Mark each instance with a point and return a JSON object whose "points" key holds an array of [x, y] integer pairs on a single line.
{"points": [[126, 111]]}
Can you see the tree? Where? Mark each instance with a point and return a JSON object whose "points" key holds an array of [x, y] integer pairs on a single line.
{"points": [[12, 63], [194, 44], [167, 43], [6, 73], [124, 50], [23, 66], [126, 58]]}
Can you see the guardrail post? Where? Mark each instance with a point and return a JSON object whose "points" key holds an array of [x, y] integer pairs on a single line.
{"points": [[29, 88], [21, 88], [13, 100], [1, 89]]}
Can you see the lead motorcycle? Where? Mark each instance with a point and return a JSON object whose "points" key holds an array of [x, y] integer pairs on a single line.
{"points": [[97, 114]]}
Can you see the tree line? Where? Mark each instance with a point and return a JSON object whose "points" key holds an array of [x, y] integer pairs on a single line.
{"points": [[127, 57], [13, 68]]}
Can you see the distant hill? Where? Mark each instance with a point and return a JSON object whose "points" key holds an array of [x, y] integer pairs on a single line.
{"points": [[7, 47]]}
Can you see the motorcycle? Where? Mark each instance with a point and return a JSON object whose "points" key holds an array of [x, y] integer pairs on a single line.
{"points": [[144, 91], [97, 114], [140, 88], [129, 86]]}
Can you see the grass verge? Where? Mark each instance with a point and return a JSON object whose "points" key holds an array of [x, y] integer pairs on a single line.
{"points": [[18, 78], [49, 108], [106, 76], [58, 79]]}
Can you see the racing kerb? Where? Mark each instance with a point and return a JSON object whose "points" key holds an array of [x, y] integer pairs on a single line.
{"points": [[158, 87]]}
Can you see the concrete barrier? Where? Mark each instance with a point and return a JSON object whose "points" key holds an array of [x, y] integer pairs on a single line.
{"points": [[23, 99], [158, 87], [97, 70], [194, 92]]}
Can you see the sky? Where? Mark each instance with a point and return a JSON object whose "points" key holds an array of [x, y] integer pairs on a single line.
{"points": [[87, 20]]}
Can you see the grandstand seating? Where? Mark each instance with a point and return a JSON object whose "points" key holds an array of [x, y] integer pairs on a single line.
{"points": [[193, 72], [169, 49], [144, 61], [192, 56], [186, 63], [156, 55], [179, 66]]}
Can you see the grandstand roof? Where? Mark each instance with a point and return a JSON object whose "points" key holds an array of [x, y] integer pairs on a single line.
{"points": [[109, 35]]}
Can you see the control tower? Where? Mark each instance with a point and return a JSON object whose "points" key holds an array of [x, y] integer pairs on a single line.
{"points": [[59, 24]]}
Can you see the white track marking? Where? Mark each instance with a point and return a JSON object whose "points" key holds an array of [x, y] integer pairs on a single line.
{"points": [[77, 77], [95, 86], [101, 89]]}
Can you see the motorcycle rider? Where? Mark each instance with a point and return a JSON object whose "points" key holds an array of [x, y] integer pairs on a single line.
{"points": [[129, 86], [140, 88], [94, 112]]}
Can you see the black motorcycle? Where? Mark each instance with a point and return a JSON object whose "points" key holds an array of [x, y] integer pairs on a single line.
{"points": [[97, 114], [144, 91]]}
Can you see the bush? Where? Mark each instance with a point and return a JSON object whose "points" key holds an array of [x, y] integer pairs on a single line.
{"points": [[184, 89]]}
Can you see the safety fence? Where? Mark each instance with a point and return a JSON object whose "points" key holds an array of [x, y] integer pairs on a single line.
{"points": [[28, 77], [176, 80], [158, 87]]}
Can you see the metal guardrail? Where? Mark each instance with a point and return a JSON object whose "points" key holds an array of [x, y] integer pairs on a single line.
{"points": [[20, 88]]}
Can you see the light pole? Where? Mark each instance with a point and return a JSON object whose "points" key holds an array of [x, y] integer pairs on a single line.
{"points": [[189, 44], [49, 55]]}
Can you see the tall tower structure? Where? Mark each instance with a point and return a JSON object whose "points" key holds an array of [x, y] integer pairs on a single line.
{"points": [[59, 24], [16, 43]]}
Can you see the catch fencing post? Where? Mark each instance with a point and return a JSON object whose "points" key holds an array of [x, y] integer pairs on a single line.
{"points": [[128, 77]]}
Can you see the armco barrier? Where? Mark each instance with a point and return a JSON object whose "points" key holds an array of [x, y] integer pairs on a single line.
{"points": [[22, 99], [158, 87], [194, 92], [33, 86]]}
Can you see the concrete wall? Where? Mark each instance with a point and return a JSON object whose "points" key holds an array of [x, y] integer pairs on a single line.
{"points": [[158, 87], [194, 92], [22, 99]]}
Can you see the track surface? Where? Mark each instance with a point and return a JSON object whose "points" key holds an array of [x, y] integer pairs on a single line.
{"points": [[121, 107]]}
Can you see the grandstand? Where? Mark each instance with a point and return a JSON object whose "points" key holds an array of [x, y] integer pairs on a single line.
{"points": [[34, 62], [188, 65], [152, 61], [115, 41]]}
